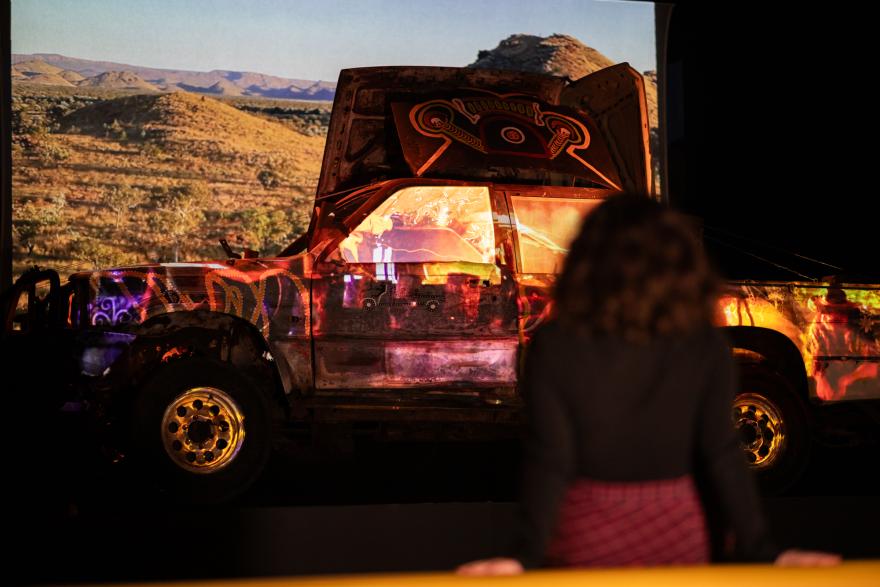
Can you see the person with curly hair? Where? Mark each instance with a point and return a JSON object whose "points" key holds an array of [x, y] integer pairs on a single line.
{"points": [[628, 392]]}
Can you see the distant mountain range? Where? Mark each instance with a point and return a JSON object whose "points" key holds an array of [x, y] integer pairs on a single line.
{"points": [[59, 70], [556, 55]]}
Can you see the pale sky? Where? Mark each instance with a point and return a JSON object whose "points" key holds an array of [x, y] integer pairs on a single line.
{"points": [[315, 39]]}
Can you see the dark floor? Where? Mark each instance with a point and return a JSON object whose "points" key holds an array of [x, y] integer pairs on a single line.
{"points": [[404, 507]]}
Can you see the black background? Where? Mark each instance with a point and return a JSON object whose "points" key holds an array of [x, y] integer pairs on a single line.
{"points": [[772, 130]]}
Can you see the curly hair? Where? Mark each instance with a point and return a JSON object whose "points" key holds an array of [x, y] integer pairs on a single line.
{"points": [[636, 270]]}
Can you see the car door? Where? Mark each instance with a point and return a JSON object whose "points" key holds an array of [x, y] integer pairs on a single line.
{"points": [[545, 221], [419, 295]]}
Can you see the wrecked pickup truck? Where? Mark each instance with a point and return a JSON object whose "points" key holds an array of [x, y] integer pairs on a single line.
{"points": [[446, 202]]}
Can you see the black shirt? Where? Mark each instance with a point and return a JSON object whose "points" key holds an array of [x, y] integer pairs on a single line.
{"points": [[606, 409]]}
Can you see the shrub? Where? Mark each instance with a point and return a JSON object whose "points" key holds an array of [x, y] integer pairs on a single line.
{"points": [[33, 221], [96, 253], [178, 215], [268, 178], [121, 198], [115, 130], [151, 150]]}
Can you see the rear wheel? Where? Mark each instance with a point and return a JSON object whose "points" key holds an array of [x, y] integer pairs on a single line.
{"points": [[202, 430], [772, 423]]}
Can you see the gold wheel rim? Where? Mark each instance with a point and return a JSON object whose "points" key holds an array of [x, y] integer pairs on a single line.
{"points": [[761, 428], [203, 430]]}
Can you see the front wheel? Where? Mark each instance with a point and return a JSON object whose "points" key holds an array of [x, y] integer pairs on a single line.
{"points": [[202, 430], [773, 428]]}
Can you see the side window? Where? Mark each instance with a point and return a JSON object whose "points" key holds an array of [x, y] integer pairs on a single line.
{"points": [[426, 224], [545, 228]]}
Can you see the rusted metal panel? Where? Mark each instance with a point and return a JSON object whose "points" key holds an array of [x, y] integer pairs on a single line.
{"points": [[367, 319], [362, 144], [469, 132], [615, 99], [396, 364], [294, 358], [271, 294]]}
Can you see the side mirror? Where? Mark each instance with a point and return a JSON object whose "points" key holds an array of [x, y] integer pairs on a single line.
{"points": [[228, 250]]}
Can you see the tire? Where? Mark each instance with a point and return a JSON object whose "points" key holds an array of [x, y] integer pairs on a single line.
{"points": [[202, 431], [774, 431]]}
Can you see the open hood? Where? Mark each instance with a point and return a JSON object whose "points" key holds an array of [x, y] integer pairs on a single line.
{"points": [[487, 125]]}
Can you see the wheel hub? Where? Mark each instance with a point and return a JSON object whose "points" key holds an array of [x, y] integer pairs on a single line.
{"points": [[203, 430], [761, 429], [750, 433], [200, 431]]}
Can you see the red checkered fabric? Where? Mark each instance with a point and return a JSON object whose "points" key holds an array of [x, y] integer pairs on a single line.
{"points": [[630, 524]]}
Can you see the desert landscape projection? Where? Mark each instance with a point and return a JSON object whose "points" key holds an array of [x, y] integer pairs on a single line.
{"points": [[118, 164]]}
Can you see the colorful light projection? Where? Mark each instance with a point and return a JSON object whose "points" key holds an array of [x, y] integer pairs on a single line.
{"points": [[390, 325], [835, 328], [371, 322], [267, 293], [271, 294], [422, 267], [420, 300], [426, 224], [844, 339], [546, 227]]}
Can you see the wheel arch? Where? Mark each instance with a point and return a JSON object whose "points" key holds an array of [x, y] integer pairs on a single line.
{"points": [[223, 337], [771, 349]]}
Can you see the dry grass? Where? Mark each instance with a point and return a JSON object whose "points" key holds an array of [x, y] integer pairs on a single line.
{"points": [[143, 143]]}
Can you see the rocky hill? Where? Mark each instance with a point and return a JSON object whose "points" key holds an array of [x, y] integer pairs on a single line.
{"points": [[72, 76], [92, 176], [560, 55], [44, 79], [121, 80], [224, 88], [35, 71], [198, 125], [35, 66], [557, 55]]}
